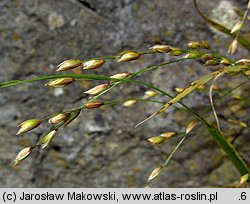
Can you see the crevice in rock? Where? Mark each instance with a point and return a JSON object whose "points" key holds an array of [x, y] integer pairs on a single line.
{"points": [[87, 5]]}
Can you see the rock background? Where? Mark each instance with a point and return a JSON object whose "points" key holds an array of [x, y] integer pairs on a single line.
{"points": [[102, 148]]}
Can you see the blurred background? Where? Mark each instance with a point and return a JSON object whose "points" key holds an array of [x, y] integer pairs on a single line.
{"points": [[101, 148]]}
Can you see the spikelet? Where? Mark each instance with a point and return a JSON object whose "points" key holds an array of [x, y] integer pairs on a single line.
{"points": [[161, 48], [207, 57], [191, 125], [128, 56], [168, 135], [156, 140], [92, 105], [237, 27], [244, 178], [120, 75], [179, 90], [46, 139], [73, 115], [97, 89], [129, 103], [212, 62], [28, 125], [176, 52], [233, 47], [247, 72], [225, 61], [154, 173], [93, 64], [59, 118], [62, 82], [69, 64], [150, 94], [22, 155]]}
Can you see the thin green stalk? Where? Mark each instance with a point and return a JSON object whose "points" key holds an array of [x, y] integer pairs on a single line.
{"points": [[166, 162], [137, 99], [55, 76], [229, 150]]}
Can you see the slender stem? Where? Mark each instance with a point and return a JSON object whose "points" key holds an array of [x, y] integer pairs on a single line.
{"points": [[243, 20], [166, 162], [117, 56], [137, 99], [212, 103]]}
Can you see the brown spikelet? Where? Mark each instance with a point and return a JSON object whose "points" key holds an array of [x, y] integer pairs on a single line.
{"points": [[92, 105], [97, 89], [154, 173], [128, 56], [22, 155], [161, 48], [191, 125], [59, 118], [62, 82], [69, 64]]}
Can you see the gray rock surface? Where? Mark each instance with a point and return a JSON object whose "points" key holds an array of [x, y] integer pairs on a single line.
{"points": [[101, 148]]}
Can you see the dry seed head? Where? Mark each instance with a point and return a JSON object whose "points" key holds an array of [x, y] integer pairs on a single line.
{"points": [[157, 140], [191, 125], [168, 135], [237, 27], [120, 75], [58, 118], [92, 105], [22, 155], [244, 178], [149, 94], [28, 125], [154, 173], [69, 64], [97, 89], [161, 48], [57, 83], [179, 90], [129, 103], [45, 140], [128, 56], [93, 64], [233, 47]]}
